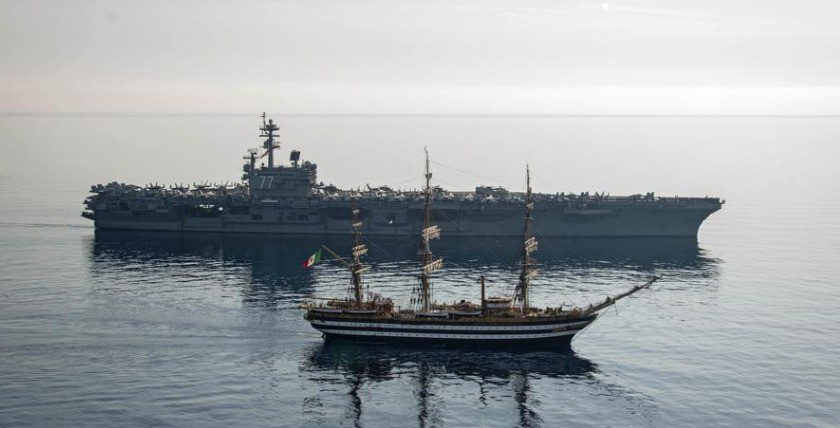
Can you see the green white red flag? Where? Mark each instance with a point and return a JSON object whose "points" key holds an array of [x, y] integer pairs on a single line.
{"points": [[314, 258]]}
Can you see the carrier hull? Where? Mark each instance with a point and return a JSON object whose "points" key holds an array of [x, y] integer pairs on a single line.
{"points": [[680, 219]]}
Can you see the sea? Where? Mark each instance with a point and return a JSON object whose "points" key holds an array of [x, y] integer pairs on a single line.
{"points": [[113, 329]]}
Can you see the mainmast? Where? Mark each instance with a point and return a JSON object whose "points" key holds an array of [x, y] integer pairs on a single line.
{"points": [[269, 145], [429, 232], [529, 245]]}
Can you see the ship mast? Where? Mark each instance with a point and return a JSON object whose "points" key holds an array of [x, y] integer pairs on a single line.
{"points": [[269, 145], [355, 264], [529, 245], [251, 157], [427, 262], [358, 250]]}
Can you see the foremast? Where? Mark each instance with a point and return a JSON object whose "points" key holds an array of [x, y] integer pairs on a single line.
{"points": [[355, 264], [527, 263], [427, 261]]}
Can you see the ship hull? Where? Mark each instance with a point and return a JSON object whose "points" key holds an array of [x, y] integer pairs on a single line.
{"points": [[679, 219], [557, 333]]}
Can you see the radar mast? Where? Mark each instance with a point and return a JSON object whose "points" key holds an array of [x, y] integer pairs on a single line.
{"points": [[268, 131]]}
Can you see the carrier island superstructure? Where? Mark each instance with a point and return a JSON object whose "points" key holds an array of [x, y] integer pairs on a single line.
{"points": [[287, 199]]}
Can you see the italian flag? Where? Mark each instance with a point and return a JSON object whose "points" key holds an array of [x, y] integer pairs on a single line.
{"points": [[314, 258]]}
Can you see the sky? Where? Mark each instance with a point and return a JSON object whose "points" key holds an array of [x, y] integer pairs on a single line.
{"points": [[421, 57]]}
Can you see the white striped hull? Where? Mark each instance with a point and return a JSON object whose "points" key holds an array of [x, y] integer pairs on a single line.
{"points": [[475, 333]]}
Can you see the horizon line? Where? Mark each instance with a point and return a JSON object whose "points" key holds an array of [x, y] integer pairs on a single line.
{"points": [[413, 115]]}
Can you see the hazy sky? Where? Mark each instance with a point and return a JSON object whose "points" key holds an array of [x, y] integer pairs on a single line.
{"points": [[579, 57]]}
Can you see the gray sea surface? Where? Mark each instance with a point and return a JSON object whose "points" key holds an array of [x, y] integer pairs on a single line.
{"points": [[146, 329]]}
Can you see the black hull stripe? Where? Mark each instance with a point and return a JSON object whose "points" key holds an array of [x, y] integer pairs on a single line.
{"points": [[557, 343]]}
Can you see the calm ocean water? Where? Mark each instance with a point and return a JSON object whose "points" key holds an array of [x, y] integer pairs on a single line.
{"points": [[127, 329]]}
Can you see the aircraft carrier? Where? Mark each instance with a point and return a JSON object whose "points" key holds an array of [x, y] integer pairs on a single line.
{"points": [[287, 199]]}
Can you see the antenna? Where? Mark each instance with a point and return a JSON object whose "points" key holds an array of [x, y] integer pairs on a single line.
{"points": [[251, 157]]}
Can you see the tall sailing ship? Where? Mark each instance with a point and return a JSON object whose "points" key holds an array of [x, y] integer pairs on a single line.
{"points": [[288, 199], [492, 321]]}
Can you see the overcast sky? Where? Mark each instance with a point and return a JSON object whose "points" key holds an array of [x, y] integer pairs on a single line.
{"points": [[466, 57]]}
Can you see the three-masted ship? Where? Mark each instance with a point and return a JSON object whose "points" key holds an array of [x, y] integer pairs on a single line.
{"points": [[493, 321]]}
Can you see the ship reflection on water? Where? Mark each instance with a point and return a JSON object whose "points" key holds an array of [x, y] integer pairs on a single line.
{"points": [[268, 268], [270, 256], [363, 364], [491, 380]]}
